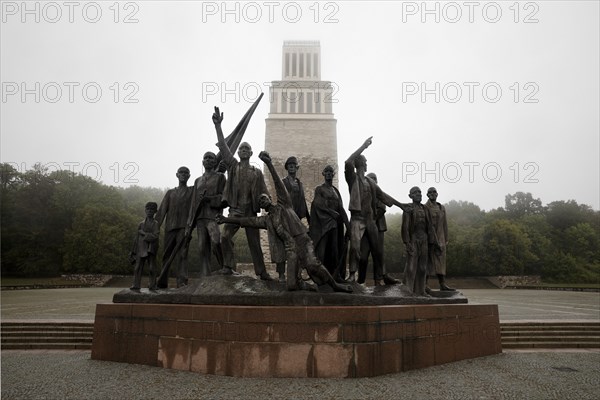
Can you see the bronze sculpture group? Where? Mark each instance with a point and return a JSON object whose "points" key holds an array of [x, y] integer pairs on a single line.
{"points": [[320, 250]]}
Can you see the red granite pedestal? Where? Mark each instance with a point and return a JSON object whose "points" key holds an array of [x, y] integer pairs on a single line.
{"points": [[294, 341]]}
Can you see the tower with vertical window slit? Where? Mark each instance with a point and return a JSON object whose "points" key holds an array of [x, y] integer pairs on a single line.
{"points": [[301, 121]]}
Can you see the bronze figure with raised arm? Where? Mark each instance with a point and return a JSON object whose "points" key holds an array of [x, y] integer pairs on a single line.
{"points": [[365, 248], [364, 194], [282, 219], [243, 188]]}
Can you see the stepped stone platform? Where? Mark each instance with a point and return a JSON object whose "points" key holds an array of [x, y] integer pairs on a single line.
{"points": [[550, 335], [46, 335], [515, 335]]}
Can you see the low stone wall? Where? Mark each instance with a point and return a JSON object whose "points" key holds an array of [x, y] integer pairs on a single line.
{"points": [[515, 280], [95, 280]]}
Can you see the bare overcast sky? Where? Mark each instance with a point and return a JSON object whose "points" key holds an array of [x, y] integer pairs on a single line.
{"points": [[517, 87]]}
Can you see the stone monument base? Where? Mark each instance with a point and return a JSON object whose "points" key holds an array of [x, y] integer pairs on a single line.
{"points": [[294, 341]]}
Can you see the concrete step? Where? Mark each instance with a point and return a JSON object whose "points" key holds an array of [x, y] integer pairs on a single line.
{"points": [[46, 327], [78, 335], [557, 338], [546, 323], [47, 335], [16, 334], [57, 325], [550, 345], [47, 346], [551, 333], [550, 328], [46, 339]]}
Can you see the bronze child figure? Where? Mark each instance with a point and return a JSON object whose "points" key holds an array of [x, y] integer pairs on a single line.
{"points": [[145, 247]]}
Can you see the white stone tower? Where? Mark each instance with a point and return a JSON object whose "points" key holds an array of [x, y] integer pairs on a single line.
{"points": [[301, 121]]}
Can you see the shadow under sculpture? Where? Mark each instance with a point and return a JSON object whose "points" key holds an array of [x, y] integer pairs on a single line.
{"points": [[282, 219], [242, 190], [327, 221], [364, 194]]}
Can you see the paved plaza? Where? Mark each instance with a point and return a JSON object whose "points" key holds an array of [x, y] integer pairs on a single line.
{"points": [[80, 304], [46, 374]]}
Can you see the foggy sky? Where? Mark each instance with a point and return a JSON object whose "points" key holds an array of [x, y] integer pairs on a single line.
{"points": [[517, 89]]}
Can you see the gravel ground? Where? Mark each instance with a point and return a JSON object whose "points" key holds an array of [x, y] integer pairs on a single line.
{"points": [[47, 374]]}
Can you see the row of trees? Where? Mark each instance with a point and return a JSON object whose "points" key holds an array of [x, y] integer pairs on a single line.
{"points": [[63, 223], [59, 222], [559, 241]]}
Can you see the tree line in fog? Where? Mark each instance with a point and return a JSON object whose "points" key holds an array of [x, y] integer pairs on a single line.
{"points": [[58, 222]]}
